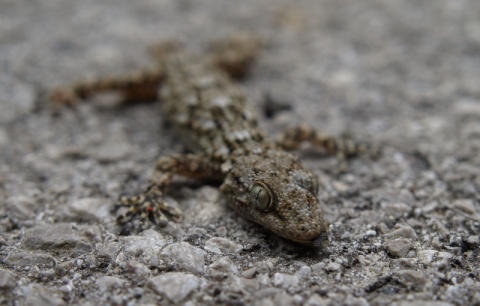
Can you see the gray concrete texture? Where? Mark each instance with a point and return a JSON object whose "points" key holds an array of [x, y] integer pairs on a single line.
{"points": [[403, 75]]}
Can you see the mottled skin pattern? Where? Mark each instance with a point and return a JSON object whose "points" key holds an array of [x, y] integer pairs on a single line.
{"points": [[210, 113], [217, 121]]}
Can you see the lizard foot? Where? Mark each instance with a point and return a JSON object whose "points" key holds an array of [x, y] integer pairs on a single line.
{"points": [[147, 209]]}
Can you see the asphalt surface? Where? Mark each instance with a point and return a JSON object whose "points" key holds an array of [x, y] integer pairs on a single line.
{"points": [[402, 75]]}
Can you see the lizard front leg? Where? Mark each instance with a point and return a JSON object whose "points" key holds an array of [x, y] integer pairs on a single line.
{"points": [[150, 204]]}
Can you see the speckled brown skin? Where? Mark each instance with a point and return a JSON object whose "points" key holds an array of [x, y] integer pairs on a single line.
{"points": [[215, 119], [262, 181]]}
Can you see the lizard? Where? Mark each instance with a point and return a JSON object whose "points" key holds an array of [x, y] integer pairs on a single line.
{"points": [[259, 177]]}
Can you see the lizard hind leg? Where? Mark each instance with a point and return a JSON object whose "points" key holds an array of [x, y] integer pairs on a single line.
{"points": [[235, 53], [135, 87], [343, 147]]}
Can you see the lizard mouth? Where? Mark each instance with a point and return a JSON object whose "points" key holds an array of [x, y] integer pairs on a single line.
{"points": [[319, 240]]}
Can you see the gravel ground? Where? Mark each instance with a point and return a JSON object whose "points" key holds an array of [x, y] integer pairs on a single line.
{"points": [[404, 75]]}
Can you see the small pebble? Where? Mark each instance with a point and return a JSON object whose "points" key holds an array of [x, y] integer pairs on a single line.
{"points": [[219, 245], [402, 231], [355, 301], [285, 280], [318, 268], [316, 300], [474, 240], [88, 209], [58, 237], [411, 278], [143, 249], [333, 267], [185, 256], [426, 256], [175, 286], [222, 268], [464, 205], [283, 299], [399, 247], [395, 210], [436, 243], [249, 273], [108, 283], [27, 260], [139, 270], [7, 280], [303, 272], [243, 285]]}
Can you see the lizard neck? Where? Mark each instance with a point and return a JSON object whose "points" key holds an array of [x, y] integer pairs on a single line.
{"points": [[242, 156]]}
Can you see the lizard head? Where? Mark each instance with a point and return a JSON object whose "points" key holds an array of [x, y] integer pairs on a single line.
{"points": [[274, 190]]}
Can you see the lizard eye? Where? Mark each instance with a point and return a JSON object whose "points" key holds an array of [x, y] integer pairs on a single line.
{"points": [[261, 196]]}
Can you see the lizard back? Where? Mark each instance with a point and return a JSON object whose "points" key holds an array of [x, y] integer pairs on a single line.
{"points": [[210, 113]]}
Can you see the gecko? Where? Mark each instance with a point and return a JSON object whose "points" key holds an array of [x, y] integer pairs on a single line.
{"points": [[258, 175]]}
